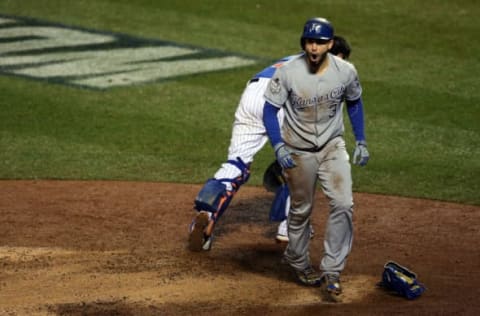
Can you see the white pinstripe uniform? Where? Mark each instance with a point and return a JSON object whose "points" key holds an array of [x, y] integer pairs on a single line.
{"points": [[248, 132]]}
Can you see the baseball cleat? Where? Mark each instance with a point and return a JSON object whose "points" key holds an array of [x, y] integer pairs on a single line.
{"points": [[331, 287], [198, 240], [281, 238], [282, 233], [308, 276], [207, 244]]}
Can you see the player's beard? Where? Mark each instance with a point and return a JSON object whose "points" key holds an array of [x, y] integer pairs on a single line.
{"points": [[316, 60]]}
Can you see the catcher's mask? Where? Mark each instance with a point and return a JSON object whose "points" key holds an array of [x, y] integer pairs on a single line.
{"points": [[273, 178]]}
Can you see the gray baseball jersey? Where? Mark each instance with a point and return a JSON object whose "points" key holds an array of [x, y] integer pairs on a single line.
{"points": [[313, 103]]}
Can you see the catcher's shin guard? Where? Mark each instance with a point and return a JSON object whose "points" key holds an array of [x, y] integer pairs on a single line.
{"points": [[214, 196]]}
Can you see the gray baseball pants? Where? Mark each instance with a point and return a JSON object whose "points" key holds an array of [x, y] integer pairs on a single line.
{"points": [[331, 168]]}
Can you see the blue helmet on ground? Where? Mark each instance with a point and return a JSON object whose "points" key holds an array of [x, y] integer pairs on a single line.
{"points": [[317, 28]]}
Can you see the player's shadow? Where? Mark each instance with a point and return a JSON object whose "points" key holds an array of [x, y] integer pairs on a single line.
{"points": [[263, 259], [257, 253], [247, 210]]}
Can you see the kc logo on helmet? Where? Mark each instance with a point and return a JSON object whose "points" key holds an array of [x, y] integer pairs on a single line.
{"points": [[315, 28]]}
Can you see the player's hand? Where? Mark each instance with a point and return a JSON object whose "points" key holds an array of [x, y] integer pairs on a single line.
{"points": [[284, 156], [360, 154]]}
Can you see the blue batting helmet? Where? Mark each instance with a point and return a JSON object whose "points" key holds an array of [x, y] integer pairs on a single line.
{"points": [[317, 28]]}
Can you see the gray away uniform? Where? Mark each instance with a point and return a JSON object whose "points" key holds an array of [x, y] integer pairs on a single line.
{"points": [[313, 131]]}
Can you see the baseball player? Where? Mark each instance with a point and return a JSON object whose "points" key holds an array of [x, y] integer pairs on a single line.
{"points": [[248, 137], [342, 49], [310, 148]]}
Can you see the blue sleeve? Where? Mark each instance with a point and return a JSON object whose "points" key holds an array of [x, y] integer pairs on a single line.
{"points": [[270, 121], [355, 113]]}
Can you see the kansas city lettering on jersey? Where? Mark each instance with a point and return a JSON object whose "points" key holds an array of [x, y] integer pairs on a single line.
{"points": [[300, 102], [99, 60]]}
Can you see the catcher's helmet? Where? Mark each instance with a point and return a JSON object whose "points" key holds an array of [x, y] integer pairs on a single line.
{"points": [[340, 46], [317, 28]]}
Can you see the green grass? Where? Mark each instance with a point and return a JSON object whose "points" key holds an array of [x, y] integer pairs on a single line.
{"points": [[418, 63]]}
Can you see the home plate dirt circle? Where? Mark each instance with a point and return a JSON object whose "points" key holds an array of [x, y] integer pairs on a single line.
{"points": [[120, 248]]}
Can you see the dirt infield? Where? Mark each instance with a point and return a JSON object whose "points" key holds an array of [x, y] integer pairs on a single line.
{"points": [[119, 248]]}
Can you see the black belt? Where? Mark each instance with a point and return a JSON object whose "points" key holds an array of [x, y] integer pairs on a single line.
{"points": [[315, 149], [253, 80]]}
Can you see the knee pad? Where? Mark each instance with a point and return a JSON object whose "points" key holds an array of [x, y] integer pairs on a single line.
{"points": [[211, 197], [214, 196], [237, 182]]}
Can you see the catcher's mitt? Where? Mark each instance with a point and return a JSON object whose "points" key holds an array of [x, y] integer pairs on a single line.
{"points": [[398, 279], [273, 178]]}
